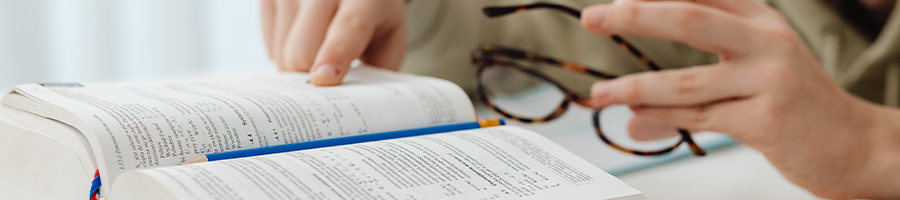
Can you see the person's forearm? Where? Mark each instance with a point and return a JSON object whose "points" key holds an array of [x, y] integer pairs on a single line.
{"points": [[880, 177]]}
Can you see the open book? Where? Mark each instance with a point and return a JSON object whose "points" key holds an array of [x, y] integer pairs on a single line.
{"points": [[136, 134]]}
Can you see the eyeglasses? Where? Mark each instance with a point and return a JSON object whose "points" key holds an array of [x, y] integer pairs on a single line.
{"points": [[507, 76]]}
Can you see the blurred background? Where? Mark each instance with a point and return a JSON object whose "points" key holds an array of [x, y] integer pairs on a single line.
{"points": [[107, 40]]}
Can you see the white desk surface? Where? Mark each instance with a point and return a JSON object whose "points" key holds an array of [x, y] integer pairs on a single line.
{"points": [[737, 172]]}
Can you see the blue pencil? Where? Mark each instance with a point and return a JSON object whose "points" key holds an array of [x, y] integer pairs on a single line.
{"points": [[346, 140]]}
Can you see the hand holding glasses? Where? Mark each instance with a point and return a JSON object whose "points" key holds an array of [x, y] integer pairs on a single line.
{"points": [[506, 77]]}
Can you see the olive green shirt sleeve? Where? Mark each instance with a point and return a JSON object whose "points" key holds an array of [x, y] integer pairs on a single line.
{"points": [[868, 69]]}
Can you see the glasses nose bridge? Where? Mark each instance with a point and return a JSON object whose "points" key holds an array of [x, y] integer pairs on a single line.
{"points": [[585, 102]]}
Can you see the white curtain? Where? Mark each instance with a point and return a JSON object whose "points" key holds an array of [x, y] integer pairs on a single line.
{"points": [[120, 40]]}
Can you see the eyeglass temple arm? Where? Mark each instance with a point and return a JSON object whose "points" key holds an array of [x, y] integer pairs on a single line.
{"points": [[496, 11], [494, 50]]}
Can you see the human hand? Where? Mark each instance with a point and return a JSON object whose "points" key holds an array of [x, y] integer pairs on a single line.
{"points": [[767, 91], [324, 36]]}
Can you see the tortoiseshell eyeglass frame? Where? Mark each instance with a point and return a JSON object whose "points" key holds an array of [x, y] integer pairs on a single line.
{"points": [[497, 56]]}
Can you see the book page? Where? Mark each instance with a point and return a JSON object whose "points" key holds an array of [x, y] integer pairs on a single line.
{"points": [[493, 163], [144, 125]]}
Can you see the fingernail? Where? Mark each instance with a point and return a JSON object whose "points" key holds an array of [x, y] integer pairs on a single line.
{"points": [[325, 71], [600, 92], [594, 16]]}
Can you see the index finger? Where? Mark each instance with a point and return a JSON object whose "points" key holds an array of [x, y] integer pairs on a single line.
{"points": [[699, 26], [676, 87], [741, 7]]}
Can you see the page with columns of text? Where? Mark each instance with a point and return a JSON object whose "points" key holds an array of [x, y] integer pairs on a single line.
{"points": [[145, 125]]}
